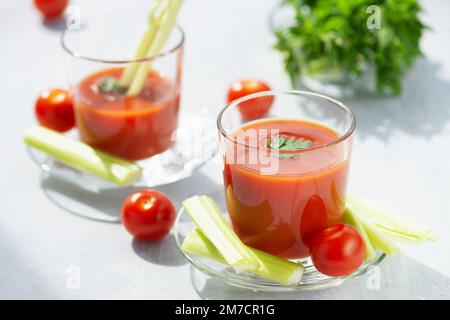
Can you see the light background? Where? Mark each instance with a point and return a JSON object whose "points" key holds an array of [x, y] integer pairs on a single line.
{"points": [[401, 158]]}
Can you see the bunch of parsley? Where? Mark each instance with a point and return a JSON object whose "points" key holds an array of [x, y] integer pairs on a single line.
{"points": [[330, 34]]}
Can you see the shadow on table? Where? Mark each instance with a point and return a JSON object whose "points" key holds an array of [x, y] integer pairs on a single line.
{"points": [[20, 278], [399, 277], [105, 205], [422, 110], [58, 24], [163, 252]]}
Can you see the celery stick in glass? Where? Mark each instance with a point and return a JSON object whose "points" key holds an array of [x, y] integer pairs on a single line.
{"points": [[272, 267], [80, 156], [208, 218], [167, 22], [354, 220], [154, 18]]}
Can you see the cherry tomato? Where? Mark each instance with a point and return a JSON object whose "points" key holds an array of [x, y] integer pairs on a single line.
{"points": [[337, 250], [255, 108], [148, 214], [54, 110], [51, 8]]}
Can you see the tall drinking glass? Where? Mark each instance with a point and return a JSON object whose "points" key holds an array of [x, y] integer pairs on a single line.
{"points": [[285, 174], [135, 127]]}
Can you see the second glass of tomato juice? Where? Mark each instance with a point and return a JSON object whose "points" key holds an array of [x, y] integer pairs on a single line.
{"points": [[133, 126], [285, 174]]}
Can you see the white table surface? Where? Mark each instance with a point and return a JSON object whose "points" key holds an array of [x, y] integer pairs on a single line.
{"points": [[401, 158]]}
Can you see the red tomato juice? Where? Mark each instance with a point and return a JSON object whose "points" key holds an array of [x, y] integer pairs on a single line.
{"points": [[279, 212], [133, 128]]}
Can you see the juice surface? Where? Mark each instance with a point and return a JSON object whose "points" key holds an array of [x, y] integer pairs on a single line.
{"points": [[279, 212], [133, 128]]}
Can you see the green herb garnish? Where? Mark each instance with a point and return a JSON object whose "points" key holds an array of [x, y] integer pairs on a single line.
{"points": [[329, 37], [289, 144], [111, 85]]}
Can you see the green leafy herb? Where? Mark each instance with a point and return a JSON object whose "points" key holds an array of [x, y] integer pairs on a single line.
{"points": [[331, 36], [283, 143], [110, 85]]}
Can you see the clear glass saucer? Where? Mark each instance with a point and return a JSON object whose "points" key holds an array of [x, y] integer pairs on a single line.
{"points": [[195, 144], [311, 280]]}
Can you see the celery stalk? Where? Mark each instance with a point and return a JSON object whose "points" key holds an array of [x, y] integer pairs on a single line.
{"points": [[399, 228], [399, 236], [208, 218], [377, 238], [354, 220], [81, 156], [167, 22], [146, 40], [272, 267]]}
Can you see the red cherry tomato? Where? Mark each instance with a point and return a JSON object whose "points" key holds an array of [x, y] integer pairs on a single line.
{"points": [[148, 214], [337, 250], [51, 8], [255, 108], [54, 110]]}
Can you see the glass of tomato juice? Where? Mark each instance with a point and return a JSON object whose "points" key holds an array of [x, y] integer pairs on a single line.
{"points": [[134, 127], [285, 174]]}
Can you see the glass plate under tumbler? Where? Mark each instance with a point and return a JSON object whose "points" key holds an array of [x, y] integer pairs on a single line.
{"points": [[150, 128], [276, 201], [169, 142]]}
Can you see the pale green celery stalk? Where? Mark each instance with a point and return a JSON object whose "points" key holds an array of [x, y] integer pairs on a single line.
{"points": [[354, 220], [272, 267], [399, 228], [154, 18], [208, 218], [81, 156], [167, 23], [399, 236], [378, 239]]}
